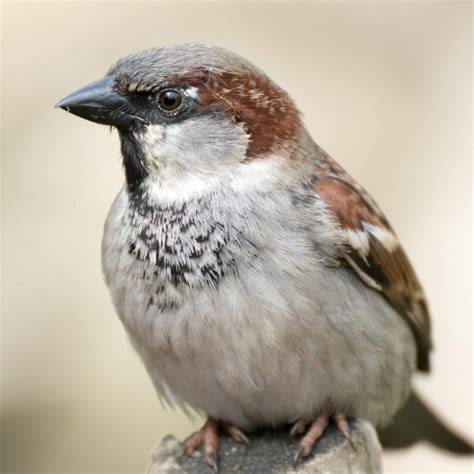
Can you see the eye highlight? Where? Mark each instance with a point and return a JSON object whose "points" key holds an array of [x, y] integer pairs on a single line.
{"points": [[170, 99]]}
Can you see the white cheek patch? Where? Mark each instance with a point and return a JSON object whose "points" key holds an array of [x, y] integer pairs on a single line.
{"points": [[196, 145], [151, 141], [198, 156]]}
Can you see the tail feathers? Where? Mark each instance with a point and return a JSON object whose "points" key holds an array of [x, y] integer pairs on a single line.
{"points": [[417, 422]]}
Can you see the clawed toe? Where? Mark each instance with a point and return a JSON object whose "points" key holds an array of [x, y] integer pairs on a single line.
{"points": [[207, 438], [236, 434], [316, 430], [343, 427], [297, 429], [211, 460], [191, 443]]}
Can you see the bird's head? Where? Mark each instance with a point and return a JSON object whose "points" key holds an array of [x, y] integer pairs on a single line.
{"points": [[189, 110]]}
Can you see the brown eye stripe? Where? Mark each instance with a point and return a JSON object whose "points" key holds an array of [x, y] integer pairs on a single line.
{"points": [[267, 112]]}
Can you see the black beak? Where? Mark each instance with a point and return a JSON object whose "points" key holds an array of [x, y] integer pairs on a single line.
{"points": [[99, 102]]}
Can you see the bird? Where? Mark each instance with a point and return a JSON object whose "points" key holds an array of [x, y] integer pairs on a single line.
{"points": [[260, 284]]}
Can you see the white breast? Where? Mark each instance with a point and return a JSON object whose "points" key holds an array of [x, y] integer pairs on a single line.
{"points": [[280, 338]]}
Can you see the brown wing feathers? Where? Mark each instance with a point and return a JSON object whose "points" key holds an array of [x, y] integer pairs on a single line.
{"points": [[374, 253]]}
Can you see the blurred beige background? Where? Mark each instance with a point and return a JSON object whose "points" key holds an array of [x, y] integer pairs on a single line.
{"points": [[385, 88]]}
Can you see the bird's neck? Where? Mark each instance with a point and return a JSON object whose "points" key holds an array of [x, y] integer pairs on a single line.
{"points": [[182, 243], [134, 161]]}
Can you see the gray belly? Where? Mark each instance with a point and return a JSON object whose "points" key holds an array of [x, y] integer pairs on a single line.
{"points": [[277, 341]]}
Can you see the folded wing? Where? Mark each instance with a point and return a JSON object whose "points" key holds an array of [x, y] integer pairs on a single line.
{"points": [[372, 250]]}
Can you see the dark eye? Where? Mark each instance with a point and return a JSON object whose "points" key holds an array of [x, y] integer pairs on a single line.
{"points": [[170, 99]]}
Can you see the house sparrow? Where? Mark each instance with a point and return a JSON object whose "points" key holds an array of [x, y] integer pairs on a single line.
{"points": [[259, 283]]}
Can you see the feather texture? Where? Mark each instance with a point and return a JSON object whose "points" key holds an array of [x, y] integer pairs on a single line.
{"points": [[373, 251]]}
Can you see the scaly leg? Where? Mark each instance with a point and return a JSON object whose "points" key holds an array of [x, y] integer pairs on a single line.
{"points": [[316, 430], [208, 438]]}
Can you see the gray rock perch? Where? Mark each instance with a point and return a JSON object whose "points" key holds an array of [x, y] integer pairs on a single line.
{"points": [[270, 452]]}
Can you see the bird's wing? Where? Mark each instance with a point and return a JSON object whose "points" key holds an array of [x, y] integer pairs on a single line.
{"points": [[372, 250]]}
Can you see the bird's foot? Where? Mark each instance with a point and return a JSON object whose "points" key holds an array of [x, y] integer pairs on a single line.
{"points": [[208, 438], [316, 430]]}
